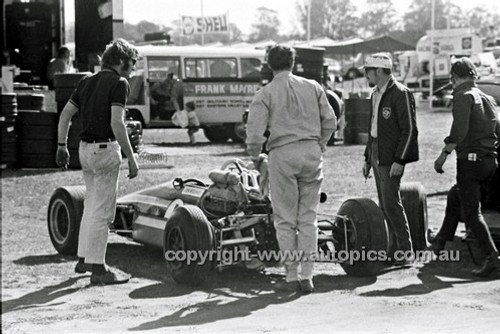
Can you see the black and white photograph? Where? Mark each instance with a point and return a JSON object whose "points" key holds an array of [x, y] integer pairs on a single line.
{"points": [[250, 166]]}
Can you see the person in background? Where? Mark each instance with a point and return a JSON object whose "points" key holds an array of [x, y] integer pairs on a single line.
{"points": [[193, 122], [60, 64], [474, 135], [187, 118], [392, 143], [100, 99], [164, 94], [300, 122]]}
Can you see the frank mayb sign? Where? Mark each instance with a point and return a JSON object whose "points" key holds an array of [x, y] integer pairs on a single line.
{"points": [[208, 24]]}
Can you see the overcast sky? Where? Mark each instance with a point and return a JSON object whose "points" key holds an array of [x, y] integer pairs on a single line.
{"points": [[241, 12]]}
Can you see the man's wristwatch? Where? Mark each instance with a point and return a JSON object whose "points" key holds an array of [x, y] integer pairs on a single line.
{"points": [[61, 144]]}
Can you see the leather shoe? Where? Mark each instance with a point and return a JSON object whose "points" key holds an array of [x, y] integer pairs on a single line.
{"points": [[437, 246], [284, 286], [82, 268], [112, 276], [491, 264], [306, 285]]}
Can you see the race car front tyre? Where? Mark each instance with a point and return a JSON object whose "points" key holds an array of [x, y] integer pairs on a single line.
{"points": [[188, 232], [64, 217]]}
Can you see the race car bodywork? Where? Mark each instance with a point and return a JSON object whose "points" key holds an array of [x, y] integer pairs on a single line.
{"points": [[232, 214]]}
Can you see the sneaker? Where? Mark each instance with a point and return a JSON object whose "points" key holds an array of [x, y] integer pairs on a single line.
{"points": [[112, 276], [306, 285], [82, 267], [284, 286]]}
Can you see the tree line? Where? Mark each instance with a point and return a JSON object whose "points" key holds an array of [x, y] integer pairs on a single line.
{"points": [[338, 20]]}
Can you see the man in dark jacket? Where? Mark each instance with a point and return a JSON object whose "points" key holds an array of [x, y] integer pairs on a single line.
{"points": [[392, 143], [474, 135]]}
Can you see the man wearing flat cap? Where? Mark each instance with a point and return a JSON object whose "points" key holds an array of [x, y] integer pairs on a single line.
{"points": [[474, 136], [392, 143]]}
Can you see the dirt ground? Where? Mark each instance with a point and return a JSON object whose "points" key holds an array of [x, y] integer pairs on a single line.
{"points": [[42, 294]]}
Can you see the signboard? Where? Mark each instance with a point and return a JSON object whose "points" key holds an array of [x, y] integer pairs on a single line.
{"points": [[217, 101], [203, 25]]}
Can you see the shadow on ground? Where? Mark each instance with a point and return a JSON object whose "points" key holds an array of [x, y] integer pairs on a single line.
{"points": [[247, 291]]}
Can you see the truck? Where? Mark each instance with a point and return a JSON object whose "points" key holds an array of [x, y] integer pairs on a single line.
{"points": [[448, 44]]}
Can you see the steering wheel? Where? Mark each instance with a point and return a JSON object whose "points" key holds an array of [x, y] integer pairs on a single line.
{"points": [[179, 183]]}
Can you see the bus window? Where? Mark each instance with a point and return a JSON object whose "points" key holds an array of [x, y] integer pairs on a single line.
{"points": [[196, 68], [250, 67], [136, 82], [223, 68], [158, 69]]}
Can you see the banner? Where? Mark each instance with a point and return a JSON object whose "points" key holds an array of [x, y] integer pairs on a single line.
{"points": [[208, 24]]}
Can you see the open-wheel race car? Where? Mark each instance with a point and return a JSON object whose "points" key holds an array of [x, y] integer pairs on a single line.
{"points": [[232, 214]]}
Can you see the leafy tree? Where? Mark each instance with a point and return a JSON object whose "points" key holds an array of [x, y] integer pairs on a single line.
{"points": [[235, 32], [379, 18], [454, 16], [267, 25], [480, 19], [335, 19], [449, 15], [136, 32], [418, 16]]}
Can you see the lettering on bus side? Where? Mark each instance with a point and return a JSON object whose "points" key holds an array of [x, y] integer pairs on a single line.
{"points": [[210, 89], [236, 89]]}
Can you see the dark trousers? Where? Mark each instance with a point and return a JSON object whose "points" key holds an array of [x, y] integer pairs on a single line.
{"points": [[390, 202], [463, 202]]}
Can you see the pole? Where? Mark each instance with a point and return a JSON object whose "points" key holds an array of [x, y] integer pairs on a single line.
{"points": [[179, 31], [228, 29], [203, 25], [309, 22], [431, 59]]}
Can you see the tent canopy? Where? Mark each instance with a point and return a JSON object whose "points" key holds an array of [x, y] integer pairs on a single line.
{"points": [[372, 45]]}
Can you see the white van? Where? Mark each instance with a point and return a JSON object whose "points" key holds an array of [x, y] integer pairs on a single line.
{"points": [[221, 82]]}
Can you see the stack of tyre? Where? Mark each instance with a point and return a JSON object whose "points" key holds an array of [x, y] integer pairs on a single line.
{"points": [[357, 118], [9, 136], [64, 85], [37, 133]]}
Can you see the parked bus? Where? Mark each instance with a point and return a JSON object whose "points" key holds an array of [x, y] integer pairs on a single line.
{"points": [[221, 82]]}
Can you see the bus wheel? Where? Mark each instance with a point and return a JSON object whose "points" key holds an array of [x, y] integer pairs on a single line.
{"points": [[216, 134], [237, 132]]}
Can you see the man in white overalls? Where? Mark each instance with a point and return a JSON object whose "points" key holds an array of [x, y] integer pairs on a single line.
{"points": [[300, 120]]}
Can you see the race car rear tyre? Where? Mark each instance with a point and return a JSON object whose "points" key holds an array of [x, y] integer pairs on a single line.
{"points": [[367, 234], [216, 134], [414, 201], [64, 217], [187, 231]]}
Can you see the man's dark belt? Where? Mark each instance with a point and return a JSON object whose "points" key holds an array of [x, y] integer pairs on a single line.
{"points": [[102, 140]]}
